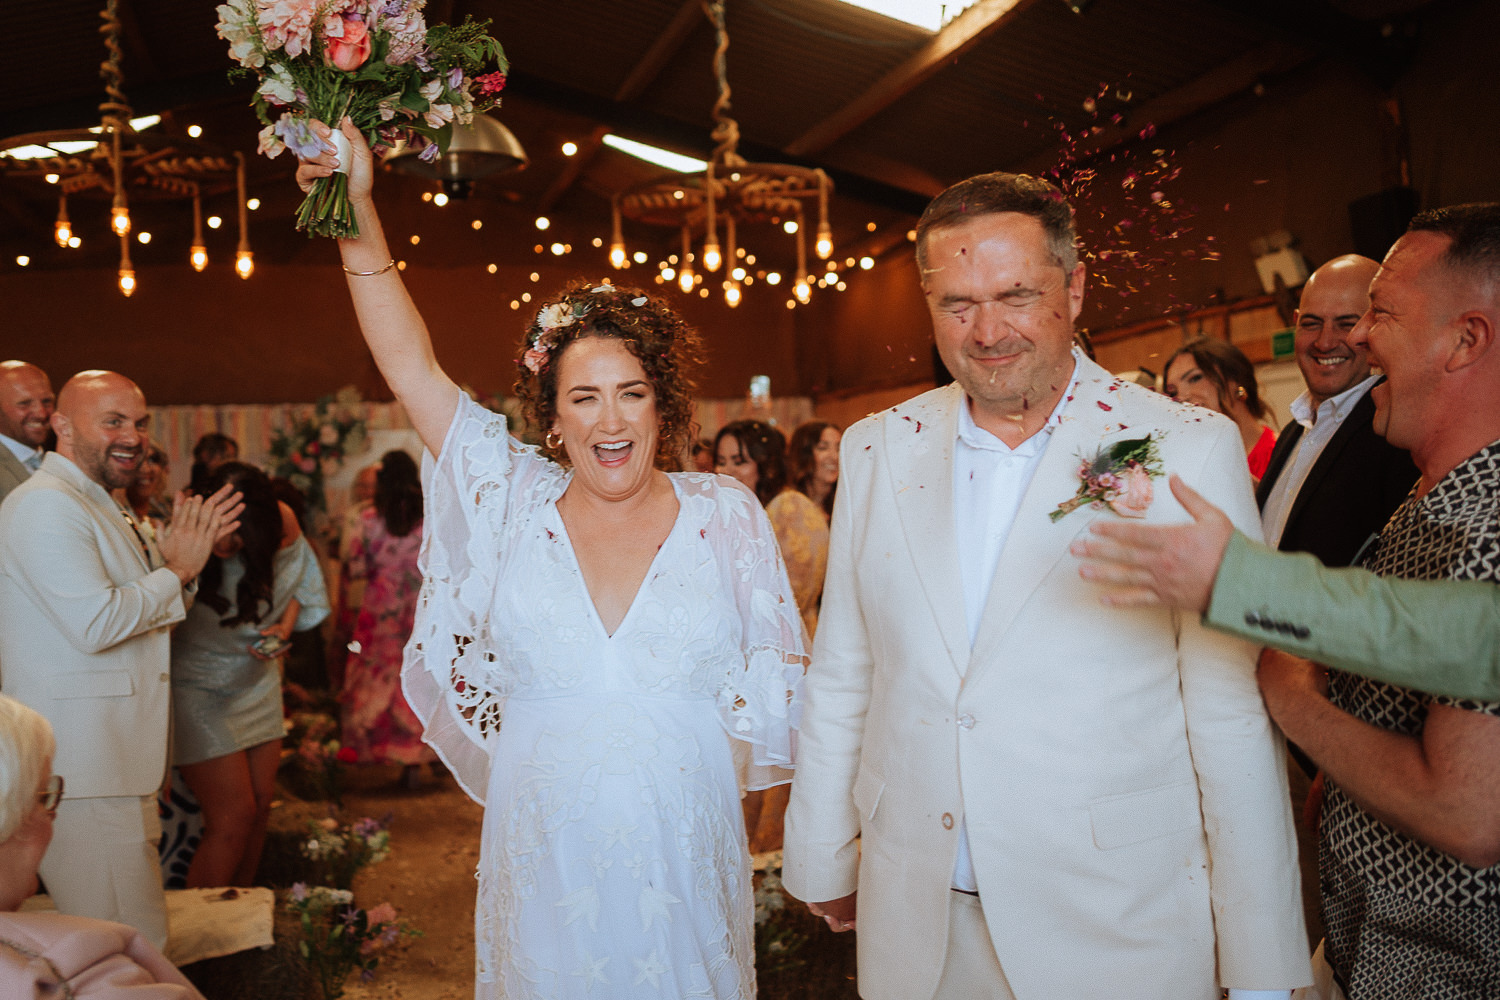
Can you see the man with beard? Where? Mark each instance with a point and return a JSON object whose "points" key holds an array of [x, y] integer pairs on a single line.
{"points": [[87, 602], [26, 404]]}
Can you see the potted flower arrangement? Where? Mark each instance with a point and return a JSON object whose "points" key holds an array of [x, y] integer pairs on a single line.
{"points": [[313, 447], [376, 62], [339, 937]]}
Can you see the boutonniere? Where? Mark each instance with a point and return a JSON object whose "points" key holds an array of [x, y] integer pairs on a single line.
{"points": [[1118, 475]]}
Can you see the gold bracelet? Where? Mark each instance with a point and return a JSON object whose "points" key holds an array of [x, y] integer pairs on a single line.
{"points": [[367, 274]]}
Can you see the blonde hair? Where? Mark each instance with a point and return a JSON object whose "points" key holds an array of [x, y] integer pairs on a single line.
{"points": [[26, 747]]}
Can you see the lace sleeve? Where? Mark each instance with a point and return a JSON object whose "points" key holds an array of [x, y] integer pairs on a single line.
{"points": [[448, 673], [760, 702]]}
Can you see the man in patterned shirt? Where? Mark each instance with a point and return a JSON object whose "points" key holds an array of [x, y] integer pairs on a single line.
{"points": [[1410, 836]]}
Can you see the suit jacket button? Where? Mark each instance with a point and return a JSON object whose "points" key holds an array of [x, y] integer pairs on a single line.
{"points": [[947, 821], [966, 720], [164, 678]]}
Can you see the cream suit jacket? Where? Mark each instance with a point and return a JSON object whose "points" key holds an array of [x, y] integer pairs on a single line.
{"points": [[12, 472], [84, 630], [1124, 790]]}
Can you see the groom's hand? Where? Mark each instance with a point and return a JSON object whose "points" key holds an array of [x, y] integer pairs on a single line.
{"points": [[837, 913]]}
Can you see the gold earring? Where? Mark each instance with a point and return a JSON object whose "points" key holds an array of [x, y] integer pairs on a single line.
{"points": [[1239, 391], [553, 445]]}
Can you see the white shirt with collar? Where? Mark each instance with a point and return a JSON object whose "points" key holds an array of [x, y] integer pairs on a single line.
{"points": [[25, 454], [989, 481], [1318, 428]]}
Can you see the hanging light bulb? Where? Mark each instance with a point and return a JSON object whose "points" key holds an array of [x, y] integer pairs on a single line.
{"points": [[711, 256], [824, 246], [685, 273], [198, 252], [119, 220], [732, 293], [127, 270], [802, 290], [62, 231], [616, 240], [244, 260], [119, 213]]}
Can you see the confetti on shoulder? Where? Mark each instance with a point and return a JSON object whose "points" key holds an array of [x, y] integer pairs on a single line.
{"points": [[639, 300], [1103, 405]]}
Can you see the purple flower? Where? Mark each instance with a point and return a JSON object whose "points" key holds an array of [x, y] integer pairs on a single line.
{"points": [[455, 78], [429, 153], [299, 891], [297, 132]]}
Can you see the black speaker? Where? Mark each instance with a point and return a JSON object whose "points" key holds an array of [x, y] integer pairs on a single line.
{"points": [[1378, 220]]}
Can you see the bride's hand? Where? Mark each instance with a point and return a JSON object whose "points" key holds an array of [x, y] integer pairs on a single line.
{"points": [[361, 169]]}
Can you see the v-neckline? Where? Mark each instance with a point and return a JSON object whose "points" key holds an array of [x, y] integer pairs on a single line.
{"points": [[583, 583]]}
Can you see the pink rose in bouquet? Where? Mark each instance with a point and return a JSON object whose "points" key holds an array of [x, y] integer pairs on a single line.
{"points": [[349, 50], [1134, 495]]}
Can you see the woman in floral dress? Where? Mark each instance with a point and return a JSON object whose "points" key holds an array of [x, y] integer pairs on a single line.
{"points": [[378, 725]]}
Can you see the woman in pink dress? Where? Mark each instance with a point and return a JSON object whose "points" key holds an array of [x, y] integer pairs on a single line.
{"points": [[378, 724]]}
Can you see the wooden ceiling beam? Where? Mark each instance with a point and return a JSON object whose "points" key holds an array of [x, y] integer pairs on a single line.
{"points": [[666, 46], [587, 150], [957, 37]]}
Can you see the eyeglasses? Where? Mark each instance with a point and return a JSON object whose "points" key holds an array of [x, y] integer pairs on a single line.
{"points": [[53, 795]]}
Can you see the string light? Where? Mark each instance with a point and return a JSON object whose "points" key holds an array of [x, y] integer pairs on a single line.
{"points": [[62, 230]]}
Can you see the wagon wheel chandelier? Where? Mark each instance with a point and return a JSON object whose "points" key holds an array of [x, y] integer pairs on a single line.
{"points": [[118, 162], [729, 192]]}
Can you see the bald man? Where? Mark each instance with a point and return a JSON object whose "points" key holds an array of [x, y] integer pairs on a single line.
{"points": [[1332, 481], [26, 404], [87, 601]]}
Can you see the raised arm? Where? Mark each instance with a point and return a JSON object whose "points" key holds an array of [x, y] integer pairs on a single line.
{"points": [[388, 318]]}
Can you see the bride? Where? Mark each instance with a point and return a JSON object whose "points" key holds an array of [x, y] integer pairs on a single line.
{"points": [[592, 636]]}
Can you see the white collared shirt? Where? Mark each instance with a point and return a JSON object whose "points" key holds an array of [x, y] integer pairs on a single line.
{"points": [[989, 481], [25, 454], [1318, 428]]}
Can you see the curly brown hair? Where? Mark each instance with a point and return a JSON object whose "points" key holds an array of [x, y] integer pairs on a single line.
{"points": [[666, 347]]}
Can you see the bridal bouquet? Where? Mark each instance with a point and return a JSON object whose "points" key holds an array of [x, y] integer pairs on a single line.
{"points": [[374, 61]]}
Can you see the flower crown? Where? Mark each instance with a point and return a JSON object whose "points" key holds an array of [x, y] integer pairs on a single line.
{"points": [[552, 319]]}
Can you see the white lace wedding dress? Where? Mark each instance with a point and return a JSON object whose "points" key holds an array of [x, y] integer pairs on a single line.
{"points": [[613, 860]]}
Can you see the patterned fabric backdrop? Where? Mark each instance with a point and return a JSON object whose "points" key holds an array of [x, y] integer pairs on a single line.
{"points": [[178, 428]]}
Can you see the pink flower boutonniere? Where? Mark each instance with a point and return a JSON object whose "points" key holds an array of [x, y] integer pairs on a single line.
{"points": [[1119, 475]]}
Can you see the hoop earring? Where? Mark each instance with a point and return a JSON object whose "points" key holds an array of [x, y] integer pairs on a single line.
{"points": [[550, 443]]}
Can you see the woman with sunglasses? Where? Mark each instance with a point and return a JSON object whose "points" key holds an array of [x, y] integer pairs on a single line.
{"points": [[51, 954]]}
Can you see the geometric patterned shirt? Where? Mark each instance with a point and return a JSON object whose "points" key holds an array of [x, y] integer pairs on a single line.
{"points": [[1405, 920]]}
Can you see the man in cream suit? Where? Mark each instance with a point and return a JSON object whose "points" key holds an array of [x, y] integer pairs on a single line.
{"points": [[26, 405], [1054, 799], [87, 602]]}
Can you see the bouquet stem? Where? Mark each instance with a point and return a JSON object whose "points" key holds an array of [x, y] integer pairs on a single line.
{"points": [[326, 210]]}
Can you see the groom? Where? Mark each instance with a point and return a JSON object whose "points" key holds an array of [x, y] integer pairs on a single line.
{"points": [[1034, 796]]}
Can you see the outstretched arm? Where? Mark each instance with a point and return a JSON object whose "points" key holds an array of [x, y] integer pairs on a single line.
{"points": [[1417, 633], [391, 325]]}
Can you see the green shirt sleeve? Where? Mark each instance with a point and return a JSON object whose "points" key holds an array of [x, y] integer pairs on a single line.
{"points": [[1435, 636]]}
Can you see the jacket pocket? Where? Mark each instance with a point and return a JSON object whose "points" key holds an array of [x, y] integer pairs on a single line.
{"points": [[868, 787], [93, 684], [1121, 820]]}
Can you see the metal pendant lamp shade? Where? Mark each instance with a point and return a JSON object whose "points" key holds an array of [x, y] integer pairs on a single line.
{"points": [[481, 149]]}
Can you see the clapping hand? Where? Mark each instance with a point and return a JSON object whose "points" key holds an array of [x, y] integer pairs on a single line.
{"points": [[197, 524]]}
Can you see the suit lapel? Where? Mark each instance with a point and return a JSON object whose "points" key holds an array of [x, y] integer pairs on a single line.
{"points": [[13, 471], [1279, 455], [919, 441], [1363, 413], [1036, 542]]}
